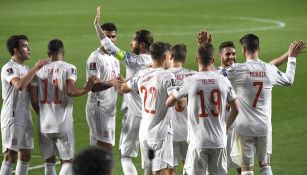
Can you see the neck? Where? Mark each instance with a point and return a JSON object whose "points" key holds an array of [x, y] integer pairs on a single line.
{"points": [[176, 64], [157, 64], [205, 68], [144, 51], [17, 60], [251, 56]]}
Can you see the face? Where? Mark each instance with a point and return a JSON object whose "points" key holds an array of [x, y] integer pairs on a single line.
{"points": [[111, 35], [228, 56], [168, 61], [135, 45], [24, 50]]}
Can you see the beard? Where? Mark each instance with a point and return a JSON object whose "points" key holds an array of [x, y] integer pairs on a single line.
{"points": [[136, 50]]}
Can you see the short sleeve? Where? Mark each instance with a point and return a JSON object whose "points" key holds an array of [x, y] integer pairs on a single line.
{"points": [[182, 91], [231, 95], [72, 73], [169, 83], [92, 67], [10, 73]]}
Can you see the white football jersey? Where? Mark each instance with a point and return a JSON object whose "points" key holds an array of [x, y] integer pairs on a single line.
{"points": [[207, 94], [55, 106], [154, 86], [105, 67], [133, 64], [180, 116], [253, 82], [16, 104]]}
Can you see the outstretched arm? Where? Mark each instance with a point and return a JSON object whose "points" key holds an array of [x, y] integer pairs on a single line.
{"points": [[21, 83], [73, 91], [283, 58]]}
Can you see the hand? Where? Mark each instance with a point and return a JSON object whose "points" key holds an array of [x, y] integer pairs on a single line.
{"points": [[296, 48], [97, 17], [204, 37], [117, 82], [40, 63], [90, 83]]}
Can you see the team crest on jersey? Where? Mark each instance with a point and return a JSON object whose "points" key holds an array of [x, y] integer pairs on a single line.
{"points": [[9, 71], [93, 66], [73, 71]]}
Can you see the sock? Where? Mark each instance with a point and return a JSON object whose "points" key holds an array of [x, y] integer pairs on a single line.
{"points": [[266, 170], [128, 167], [50, 169], [66, 169], [6, 168], [247, 173], [22, 168]]}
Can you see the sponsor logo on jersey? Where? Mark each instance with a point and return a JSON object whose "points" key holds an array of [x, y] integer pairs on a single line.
{"points": [[93, 66], [9, 71]]}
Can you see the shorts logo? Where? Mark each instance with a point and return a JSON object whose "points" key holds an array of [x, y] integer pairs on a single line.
{"points": [[14, 141], [9, 71], [93, 66], [106, 134]]}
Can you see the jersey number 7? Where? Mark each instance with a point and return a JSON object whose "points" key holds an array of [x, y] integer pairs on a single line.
{"points": [[260, 84]]}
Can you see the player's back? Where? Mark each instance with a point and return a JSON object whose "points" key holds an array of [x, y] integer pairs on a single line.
{"points": [[55, 105], [154, 86], [207, 96], [180, 115], [253, 85]]}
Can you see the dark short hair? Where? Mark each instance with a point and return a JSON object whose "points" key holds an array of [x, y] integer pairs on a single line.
{"points": [[250, 42], [55, 46], [109, 26], [93, 160], [205, 53], [158, 49], [226, 44], [179, 52], [13, 42], [144, 36]]}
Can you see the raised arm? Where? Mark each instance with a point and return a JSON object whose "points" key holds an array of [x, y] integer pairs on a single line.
{"points": [[100, 33], [22, 83], [283, 58], [204, 37]]}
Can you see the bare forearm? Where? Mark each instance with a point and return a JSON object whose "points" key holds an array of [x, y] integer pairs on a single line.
{"points": [[100, 33], [102, 86], [280, 60], [77, 92], [23, 82]]}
